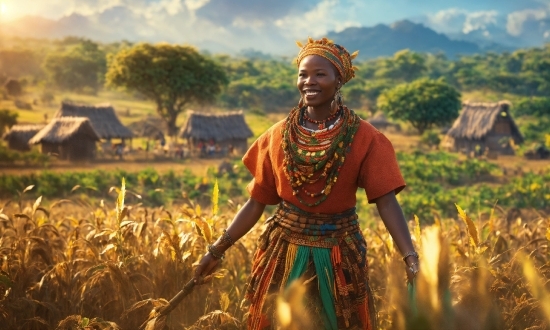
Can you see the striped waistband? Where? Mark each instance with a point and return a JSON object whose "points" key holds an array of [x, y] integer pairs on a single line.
{"points": [[312, 227]]}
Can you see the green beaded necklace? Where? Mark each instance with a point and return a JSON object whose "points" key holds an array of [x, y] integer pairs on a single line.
{"points": [[311, 156]]}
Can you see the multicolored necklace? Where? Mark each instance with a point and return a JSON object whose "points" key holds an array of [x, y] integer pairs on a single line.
{"points": [[311, 156], [322, 124]]}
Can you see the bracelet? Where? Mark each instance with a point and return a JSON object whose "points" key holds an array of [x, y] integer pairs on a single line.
{"points": [[225, 239], [411, 254], [215, 253]]}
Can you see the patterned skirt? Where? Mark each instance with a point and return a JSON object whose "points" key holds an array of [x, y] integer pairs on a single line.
{"points": [[328, 252]]}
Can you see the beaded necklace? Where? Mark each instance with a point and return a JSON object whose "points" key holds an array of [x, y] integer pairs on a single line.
{"points": [[322, 124], [311, 156]]}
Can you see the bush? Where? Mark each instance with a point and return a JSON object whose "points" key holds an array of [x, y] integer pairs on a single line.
{"points": [[430, 138]]}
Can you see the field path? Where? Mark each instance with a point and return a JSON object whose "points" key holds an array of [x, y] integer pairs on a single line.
{"points": [[197, 165]]}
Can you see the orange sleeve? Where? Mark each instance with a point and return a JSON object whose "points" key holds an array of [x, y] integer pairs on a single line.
{"points": [[380, 171], [262, 188]]}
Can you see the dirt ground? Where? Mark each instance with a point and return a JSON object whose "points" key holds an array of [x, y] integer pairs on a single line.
{"points": [[198, 166]]}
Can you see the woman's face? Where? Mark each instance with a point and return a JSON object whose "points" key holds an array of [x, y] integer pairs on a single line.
{"points": [[318, 81]]}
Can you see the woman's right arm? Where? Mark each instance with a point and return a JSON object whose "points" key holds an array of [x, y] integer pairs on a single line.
{"points": [[244, 220]]}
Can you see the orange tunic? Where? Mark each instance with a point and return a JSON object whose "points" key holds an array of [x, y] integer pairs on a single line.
{"points": [[371, 164]]}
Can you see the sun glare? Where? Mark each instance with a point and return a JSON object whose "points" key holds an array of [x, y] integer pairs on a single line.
{"points": [[3, 8]]}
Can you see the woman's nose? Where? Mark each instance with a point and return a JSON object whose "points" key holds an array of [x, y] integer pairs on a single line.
{"points": [[310, 80]]}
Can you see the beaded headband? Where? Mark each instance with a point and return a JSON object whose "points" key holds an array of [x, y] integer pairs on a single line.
{"points": [[336, 54]]}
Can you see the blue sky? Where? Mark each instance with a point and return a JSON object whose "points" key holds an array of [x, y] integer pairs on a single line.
{"points": [[263, 24]]}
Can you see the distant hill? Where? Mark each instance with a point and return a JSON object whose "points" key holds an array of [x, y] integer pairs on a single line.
{"points": [[384, 40]]}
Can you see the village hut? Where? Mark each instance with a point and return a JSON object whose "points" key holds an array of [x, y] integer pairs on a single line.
{"points": [[150, 127], [19, 135], [482, 128], [227, 131], [72, 138], [102, 117], [380, 122]]}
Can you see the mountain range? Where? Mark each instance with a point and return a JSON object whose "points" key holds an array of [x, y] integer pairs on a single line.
{"points": [[376, 41]]}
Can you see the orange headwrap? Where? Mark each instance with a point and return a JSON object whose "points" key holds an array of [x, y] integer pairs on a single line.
{"points": [[336, 54]]}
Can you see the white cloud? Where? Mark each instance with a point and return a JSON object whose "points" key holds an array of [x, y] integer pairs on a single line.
{"points": [[517, 19], [453, 20], [324, 17], [479, 20]]}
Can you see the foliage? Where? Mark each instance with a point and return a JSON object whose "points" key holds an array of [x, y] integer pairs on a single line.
{"points": [[110, 265], [78, 68], [13, 87], [172, 76], [430, 138], [533, 106], [32, 157], [8, 118], [423, 103]]}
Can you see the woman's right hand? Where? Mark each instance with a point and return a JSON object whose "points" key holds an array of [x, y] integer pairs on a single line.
{"points": [[206, 267]]}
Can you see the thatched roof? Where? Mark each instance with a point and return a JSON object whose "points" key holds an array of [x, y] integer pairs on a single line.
{"points": [[62, 129], [150, 126], [102, 117], [219, 127], [379, 118], [22, 133], [477, 119]]}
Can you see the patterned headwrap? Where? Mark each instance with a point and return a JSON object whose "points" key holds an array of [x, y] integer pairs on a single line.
{"points": [[336, 54]]}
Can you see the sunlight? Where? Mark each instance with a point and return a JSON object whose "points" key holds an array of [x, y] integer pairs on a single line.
{"points": [[3, 8]]}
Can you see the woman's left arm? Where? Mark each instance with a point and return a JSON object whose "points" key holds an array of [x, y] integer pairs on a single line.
{"points": [[394, 220]]}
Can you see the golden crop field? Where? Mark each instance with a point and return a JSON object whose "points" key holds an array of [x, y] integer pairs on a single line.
{"points": [[114, 264]]}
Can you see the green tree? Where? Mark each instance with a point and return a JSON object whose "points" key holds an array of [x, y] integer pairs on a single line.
{"points": [[8, 118], [423, 103], [172, 76], [78, 68], [405, 65]]}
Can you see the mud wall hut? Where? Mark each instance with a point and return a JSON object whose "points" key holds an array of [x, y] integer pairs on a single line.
{"points": [[19, 135], [227, 130], [72, 138], [102, 117], [483, 127]]}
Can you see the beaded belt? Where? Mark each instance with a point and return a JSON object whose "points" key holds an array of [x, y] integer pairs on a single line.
{"points": [[314, 229]]}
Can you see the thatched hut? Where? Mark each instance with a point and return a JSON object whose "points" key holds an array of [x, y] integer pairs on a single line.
{"points": [[227, 131], [72, 138], [150, 127], [102, 117], [382, 123], [19, 135], [484, 127]]}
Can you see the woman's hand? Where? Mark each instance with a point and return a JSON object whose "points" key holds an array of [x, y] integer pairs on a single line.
{"points": [[206, 267], [412, 268]]}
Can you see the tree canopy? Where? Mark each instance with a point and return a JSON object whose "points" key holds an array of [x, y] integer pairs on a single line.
{"points": [[8, 118], [172, 76], [423, 103], [78, 68]]}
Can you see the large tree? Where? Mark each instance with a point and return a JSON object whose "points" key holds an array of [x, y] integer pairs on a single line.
{"points": [[424, 103], [172, 76]]}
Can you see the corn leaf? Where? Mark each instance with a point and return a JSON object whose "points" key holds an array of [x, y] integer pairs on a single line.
{"points": [[120, 202], [536, 285], [36, 204], [215, 198], [472, 230]]}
